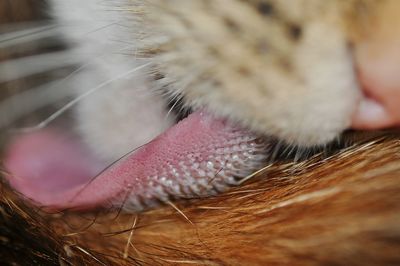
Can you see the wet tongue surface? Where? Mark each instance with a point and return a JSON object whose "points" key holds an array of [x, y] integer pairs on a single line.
{"points": [[197, 157]]}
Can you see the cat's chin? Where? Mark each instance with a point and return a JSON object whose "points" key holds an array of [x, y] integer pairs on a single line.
{"points": [[199, 156]]}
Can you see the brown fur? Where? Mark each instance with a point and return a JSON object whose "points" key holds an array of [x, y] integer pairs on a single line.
{"points": [[341, 210]]}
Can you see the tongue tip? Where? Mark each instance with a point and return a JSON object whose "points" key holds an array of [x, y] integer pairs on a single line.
{"points": [[45, 164], [198, 154]]}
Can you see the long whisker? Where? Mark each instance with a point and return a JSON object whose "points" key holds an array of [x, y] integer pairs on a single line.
{"points": [[173, 106], [70, 104], [36, 64], [35, 98], [28, 35], [17, 106]]}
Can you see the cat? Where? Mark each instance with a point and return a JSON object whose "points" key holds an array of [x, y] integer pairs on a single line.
{"points": [[261, 68]]}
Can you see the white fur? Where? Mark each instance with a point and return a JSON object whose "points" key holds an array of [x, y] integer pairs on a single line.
{"points": [[309, 102], [125, 113], [310, 105]]}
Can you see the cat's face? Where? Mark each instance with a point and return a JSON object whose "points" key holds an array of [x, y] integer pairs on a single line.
{"points": [[281, 69], [298, 73], [301, 71], [294, 71]]}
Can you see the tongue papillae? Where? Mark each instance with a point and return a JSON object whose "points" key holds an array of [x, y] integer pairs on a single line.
{"points": [[199, 156]]}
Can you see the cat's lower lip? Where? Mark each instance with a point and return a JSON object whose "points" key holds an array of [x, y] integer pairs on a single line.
{"points": [[197, 157]]}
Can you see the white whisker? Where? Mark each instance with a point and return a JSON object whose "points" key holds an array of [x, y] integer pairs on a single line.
{"points": [[70, 104], [19, 68], [35, 98], [102, 27], [17, 106], [171, 109], [27, 35]]}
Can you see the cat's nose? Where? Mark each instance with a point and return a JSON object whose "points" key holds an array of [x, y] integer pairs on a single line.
{"points": [[379, 75], [377, 60]]}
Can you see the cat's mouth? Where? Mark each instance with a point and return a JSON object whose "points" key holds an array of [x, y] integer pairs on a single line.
{"points": [[199, 156]]}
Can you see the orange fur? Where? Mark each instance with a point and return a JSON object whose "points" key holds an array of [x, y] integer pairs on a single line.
{"points": [[341, 210]]}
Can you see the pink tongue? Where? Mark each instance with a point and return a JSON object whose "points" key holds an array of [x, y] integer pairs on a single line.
{"points": [[197, 157]]}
